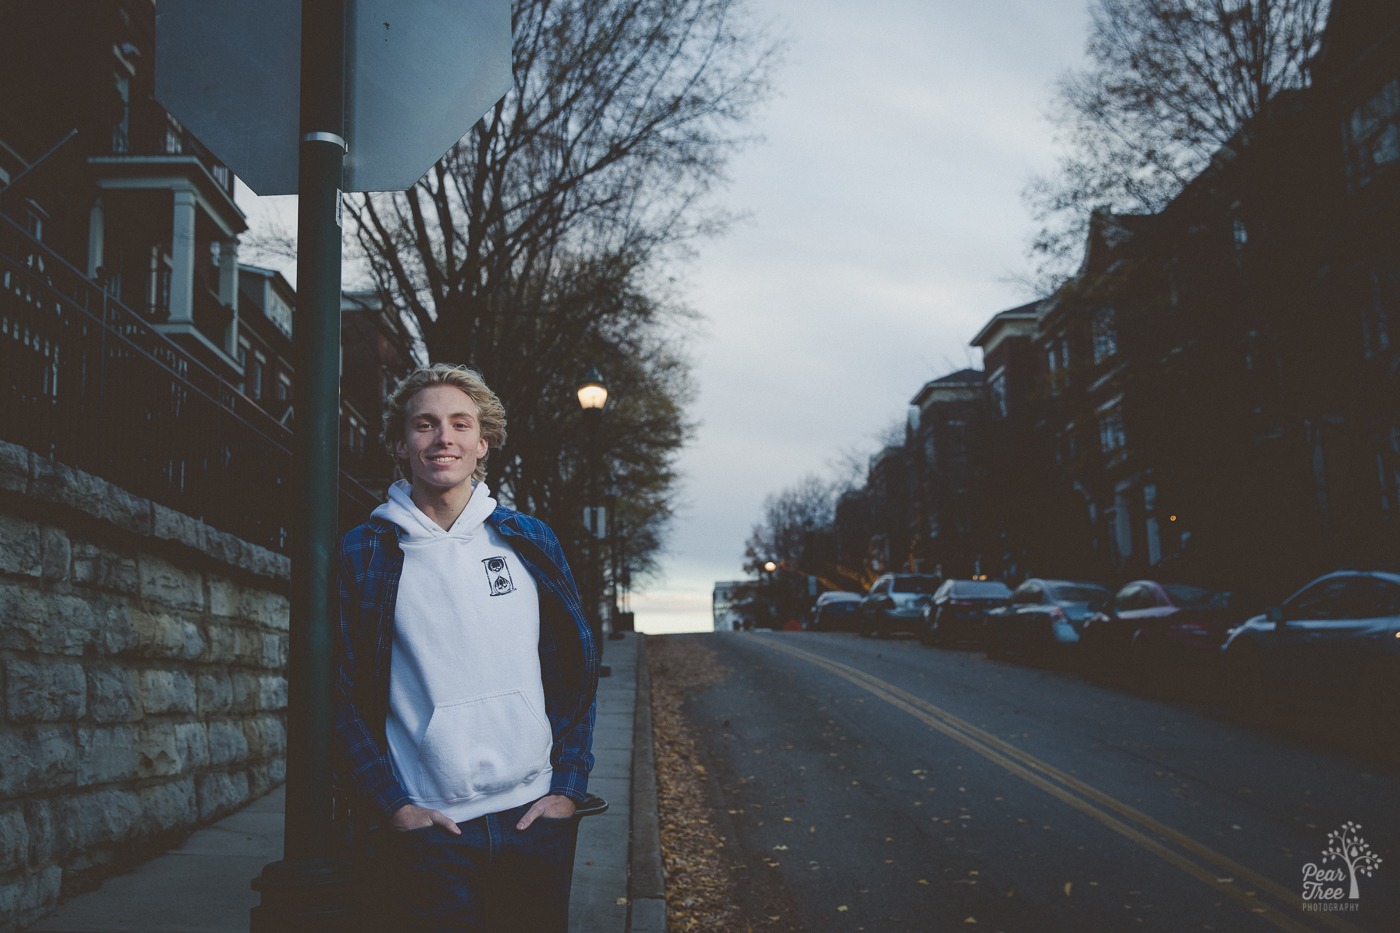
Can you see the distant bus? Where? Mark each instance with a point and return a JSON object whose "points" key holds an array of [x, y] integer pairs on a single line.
{"points": [[728, 603]]}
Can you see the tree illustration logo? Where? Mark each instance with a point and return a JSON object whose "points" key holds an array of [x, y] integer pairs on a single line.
{"points": [[1345, 847]]}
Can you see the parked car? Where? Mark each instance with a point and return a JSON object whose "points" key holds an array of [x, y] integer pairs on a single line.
{"points": [[835, 611], [958, 608], [1333, 644], [895, 603], [1160, 636], [1043, 616]]}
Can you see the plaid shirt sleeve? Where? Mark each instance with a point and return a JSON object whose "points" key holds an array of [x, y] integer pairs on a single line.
{"points": [[568, 656], [361, 584]]}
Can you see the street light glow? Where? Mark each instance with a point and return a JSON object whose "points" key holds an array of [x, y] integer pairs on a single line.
{"points": [[592, 394]]}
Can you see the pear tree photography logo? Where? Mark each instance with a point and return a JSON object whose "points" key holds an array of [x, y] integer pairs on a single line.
{"points": [[1334, 885]]}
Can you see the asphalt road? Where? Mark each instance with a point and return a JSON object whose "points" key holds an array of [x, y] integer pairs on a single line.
{"points": [[889, 786]]}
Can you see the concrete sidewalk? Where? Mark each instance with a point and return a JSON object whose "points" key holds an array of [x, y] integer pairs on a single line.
{"points": [[203, 886]]}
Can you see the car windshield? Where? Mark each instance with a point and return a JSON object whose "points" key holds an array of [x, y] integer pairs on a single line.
{"points": [[840, 608], [913, 584], [983, 588], [1196, 597], [1077, 593]]}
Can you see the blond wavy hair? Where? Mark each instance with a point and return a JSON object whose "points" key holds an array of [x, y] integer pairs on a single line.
{"points": [[492, 414]]}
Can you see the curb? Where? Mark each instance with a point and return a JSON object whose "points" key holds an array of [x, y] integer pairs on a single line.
{"points": [[646, 886]]}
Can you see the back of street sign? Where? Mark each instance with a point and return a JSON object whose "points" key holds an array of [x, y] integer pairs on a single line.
{"points": [[418, 75]]}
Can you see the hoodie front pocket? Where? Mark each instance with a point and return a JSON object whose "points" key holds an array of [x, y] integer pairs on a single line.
{"points": [[484, 745]]}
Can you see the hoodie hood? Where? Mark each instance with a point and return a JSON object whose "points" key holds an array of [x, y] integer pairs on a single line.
{"points": [[417, 528]]}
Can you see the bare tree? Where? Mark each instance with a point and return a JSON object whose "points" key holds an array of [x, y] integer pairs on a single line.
{"points": [[789, 520], [536, 248], [1168, 83]]}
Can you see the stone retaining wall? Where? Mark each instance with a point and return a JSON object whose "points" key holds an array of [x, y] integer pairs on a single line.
{"points": [[141, 679]]}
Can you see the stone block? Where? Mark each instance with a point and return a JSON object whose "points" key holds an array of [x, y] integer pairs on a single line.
{"points": [[169, 806], [21, 617], [265, 608], [215, 693], [224, 597], [274, 651], [44, 623], [165, 691], [14, 467], [247, 691], [224, 644], [37, 759], [170, 525], [31, 895], [14, 839], [58, 483], [58, 554], [272, 692], [53, 833], [103, 568], [167, 584], [44, 691], [106, 816], [253, 558], [266, 736], [107, 754], [118, 634], [192, 745], [21, 551], [159, 753], [221, 792], [114, 694], [165, 635], [227, 743]]}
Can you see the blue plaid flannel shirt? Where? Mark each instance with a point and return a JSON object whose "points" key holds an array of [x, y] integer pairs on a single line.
{"points": [[370, 564]]}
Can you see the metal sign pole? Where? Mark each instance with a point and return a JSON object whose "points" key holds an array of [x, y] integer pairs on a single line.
{"points": [[308, 890]]}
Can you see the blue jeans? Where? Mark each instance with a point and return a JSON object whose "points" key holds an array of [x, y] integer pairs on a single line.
{"points": [[491, 879]]}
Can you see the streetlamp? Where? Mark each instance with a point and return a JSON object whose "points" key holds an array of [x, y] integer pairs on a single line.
{"points": [[592, 397]]}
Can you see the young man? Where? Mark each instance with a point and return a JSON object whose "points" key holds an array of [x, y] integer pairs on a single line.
{"points": [[466, 675]]}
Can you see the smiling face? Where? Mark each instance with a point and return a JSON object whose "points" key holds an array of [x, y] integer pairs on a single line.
{"points": [[441, 441]]}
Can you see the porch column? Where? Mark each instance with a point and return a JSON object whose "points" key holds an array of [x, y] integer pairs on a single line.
{"points": [[182, 258], [228, 292], [97, 234]]}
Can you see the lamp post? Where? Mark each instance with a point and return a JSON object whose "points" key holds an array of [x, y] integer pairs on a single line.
{"points": [[592, 397]]}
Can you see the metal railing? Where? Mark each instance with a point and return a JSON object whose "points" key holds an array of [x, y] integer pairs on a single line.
{"points": [[89, 383]]}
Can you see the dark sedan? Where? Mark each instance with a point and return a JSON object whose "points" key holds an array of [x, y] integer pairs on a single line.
{"points": [[1161, 636], [1043, 616], [1334, 644], [958, 610], [835, 611]]}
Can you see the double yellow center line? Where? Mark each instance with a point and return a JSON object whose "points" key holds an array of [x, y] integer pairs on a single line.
{"points": [[1217, 871]]}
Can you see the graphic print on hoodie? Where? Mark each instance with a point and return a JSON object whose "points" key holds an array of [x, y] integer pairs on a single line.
{"points": [[467, 729]]}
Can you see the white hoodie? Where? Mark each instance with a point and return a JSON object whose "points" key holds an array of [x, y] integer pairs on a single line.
{"points": [[467, 729]]}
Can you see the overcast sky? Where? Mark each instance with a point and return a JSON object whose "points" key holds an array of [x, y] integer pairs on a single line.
{"points": [[885, 224]]}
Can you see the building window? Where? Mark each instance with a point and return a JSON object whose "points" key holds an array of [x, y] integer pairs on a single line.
{"points": [[34, 217], [1105, 333], [1372, 135], [997, 386], [282, 391], [257, 363], [1111, 435]]}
